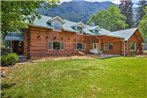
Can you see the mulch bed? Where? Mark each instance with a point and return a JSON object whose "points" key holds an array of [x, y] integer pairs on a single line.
{"points": [[5, 70]]}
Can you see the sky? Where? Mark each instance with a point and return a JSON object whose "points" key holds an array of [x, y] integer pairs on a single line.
{"points": [[114, 1]]}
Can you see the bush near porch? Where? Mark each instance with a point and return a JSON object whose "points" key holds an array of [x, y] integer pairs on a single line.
{"points": [[121, 77], [9, 59]]}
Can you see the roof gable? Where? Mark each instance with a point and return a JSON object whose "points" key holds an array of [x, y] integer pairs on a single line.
{"points": [[138, 36], [56, 18], [126, 34]]}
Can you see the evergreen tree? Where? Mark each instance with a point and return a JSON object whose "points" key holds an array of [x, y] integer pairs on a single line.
{"points": [[143, 26], [126, 9], [140, 10]]}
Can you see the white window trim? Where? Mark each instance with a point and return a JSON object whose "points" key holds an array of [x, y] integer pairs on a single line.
{"points": [[76, 46], [48, 45], [135, 46], [60, 45], [52, 45], [85, 46]]}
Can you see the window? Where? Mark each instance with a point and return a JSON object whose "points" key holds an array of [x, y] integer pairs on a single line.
{"points": [[96, 31], [57, 25], [80, 29], [108, 46], [79, 46], [56, 45], [132, 46], [94, 45]]}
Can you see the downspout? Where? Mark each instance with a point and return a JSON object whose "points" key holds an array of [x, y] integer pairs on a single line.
{"points": [[100, 51], [90, 43], [124, 49]]}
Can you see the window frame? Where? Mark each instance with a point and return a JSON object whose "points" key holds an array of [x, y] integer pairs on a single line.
{"points": [[79, 31], [108, 46], [83, 44], [56, 41], [134, 46]]}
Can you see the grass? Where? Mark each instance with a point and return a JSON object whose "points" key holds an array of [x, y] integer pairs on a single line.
{"points": [[94, 78]]}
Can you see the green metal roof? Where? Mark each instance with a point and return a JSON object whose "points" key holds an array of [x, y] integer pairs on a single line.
{"points": [[68, 26], [13, 36], [126, 34]]}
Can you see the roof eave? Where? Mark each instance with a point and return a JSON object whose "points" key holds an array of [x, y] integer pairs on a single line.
{"points": [[40, 26]]}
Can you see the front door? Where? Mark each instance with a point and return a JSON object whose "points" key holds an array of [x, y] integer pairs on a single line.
{"points": [[95, 48]]}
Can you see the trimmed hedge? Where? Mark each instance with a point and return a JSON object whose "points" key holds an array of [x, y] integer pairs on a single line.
{"points": [[9, 59]]}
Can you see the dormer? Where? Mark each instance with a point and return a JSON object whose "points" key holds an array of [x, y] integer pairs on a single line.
{"points": [[95, 30], [79, 27], [56, 23]]}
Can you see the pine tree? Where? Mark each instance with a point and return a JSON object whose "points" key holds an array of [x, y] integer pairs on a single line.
{"points": [[126, 9], [140, 10], [143, 27]]}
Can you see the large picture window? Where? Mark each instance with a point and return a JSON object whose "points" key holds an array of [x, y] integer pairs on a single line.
{"points": [[79, 46], [132, 46], [108, 46], [55, 45]]}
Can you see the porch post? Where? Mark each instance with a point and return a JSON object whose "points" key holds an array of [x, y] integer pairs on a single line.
{"points": [[90, 43], [124, 48], [99, 45], [10, 46]]}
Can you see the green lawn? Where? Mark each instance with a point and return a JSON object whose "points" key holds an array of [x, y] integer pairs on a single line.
{"points": [[94, 78]]}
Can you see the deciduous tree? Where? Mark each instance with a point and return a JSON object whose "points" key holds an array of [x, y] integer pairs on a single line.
{"points": [[15, 13], [110, 19]]}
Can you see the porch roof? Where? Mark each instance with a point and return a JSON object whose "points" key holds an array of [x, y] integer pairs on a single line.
{"points": [[13, 36]]}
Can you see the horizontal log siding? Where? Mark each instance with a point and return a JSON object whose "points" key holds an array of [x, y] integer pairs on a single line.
{"points": [[36, 42], [136, 39], [117, 45], [39, 45]]}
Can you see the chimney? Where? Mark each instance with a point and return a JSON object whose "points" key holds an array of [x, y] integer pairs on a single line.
{"points": [[92, 24]]}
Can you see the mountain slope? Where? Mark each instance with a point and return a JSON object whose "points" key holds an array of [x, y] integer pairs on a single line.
{"points": [[75, 10]]}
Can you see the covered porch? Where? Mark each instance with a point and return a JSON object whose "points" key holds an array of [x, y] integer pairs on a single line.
{"points": [[106, 45], [15, 42]]}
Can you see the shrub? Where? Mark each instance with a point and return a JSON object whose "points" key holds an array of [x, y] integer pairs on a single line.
{"points": [[9, 59]]}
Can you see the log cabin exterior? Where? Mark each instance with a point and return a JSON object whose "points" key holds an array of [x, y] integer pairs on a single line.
{"points": [[55, 36]]}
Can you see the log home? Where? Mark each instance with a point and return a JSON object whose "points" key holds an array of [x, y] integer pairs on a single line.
{"points": [[55, 36]]}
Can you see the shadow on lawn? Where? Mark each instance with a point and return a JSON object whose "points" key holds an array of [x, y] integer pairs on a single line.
{"points": [[109, 57], [7, 86]]}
